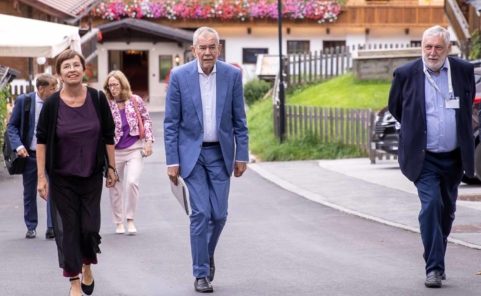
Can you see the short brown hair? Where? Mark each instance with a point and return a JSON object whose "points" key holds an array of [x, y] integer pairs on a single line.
{"points": [[45, 80], [67, 55], [125, 90]]}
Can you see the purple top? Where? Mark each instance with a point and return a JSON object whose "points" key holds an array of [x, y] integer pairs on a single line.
{"points": [[78, 133], [126, 140]]}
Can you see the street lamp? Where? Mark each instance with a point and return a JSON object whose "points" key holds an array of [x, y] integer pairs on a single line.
{"points": [[40, 62], [282, 107], [177, 59]]}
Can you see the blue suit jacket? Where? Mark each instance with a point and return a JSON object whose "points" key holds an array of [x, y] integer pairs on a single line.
{"points": [[407, 105], [183, 124], [16, 122]]}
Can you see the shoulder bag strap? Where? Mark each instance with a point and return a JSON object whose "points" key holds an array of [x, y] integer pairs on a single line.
{"points": [[26, 118]]}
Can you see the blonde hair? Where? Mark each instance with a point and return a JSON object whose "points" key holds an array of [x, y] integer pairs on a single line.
{"points": [[125, 91]]}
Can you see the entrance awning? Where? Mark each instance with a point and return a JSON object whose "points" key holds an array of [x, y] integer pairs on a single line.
{"points": [[131, 30], [23, 37]]}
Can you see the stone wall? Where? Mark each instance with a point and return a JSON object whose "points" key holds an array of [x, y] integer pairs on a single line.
{"points": [[380, 64]]}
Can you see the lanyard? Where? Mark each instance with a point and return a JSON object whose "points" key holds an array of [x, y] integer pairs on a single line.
{"points": [[433, 84]]}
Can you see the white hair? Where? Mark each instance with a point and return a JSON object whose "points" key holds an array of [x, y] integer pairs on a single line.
{"points": [[437, 31], [202, 30]]}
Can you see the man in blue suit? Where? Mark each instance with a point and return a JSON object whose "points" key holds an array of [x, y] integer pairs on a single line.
{"points": [[432, 99], [205, 135], [46, 85]]}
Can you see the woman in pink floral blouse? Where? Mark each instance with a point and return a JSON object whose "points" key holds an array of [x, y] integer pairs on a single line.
{"points": [[130, 148]]}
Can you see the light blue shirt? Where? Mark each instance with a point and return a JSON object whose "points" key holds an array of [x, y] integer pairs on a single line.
{"points": [[38, 109], [440, 121]]}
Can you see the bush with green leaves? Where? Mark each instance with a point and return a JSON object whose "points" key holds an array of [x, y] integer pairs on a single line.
{"points": [[475, 52], [4, 95], [255, 90]]}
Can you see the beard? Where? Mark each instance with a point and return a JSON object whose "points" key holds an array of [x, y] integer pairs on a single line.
{"points": [[434, 65]]}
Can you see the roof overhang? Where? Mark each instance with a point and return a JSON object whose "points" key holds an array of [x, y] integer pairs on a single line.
{"points": [[24, 37], [131, 30], [70, 11]]}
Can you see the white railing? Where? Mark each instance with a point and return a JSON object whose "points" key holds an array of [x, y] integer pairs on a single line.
{"points": [[19, 86]]}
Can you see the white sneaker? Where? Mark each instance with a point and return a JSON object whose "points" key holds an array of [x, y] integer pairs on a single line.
{"points": [[131, 227], [120, 228]]}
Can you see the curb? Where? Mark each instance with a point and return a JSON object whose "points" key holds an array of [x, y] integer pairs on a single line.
{"points": [[321, 200]]}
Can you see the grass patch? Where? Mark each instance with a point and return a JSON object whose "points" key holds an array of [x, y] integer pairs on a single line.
{"points": [[343, 92], [266, 146]]}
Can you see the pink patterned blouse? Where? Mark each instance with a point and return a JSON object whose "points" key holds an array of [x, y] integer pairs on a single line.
{"points": [[132, 118]]}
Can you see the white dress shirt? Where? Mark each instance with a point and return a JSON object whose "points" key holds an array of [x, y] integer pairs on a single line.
{"points": [[208, 94]]}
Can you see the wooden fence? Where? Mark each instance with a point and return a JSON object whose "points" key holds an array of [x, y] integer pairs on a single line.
{"points": [[316, 66], [330, 125], [20, 86], [305, 68]]}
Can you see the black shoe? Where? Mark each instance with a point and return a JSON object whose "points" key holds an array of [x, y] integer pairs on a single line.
{"points": [[31, 234], [212, 269], [49, 234], [443, 276], [434, 279], [88, 289], [203, 285]]}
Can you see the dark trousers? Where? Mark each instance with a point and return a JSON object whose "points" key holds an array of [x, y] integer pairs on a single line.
{"points": [[438, 190], [77, 200], [208, 186], [29, 178]]}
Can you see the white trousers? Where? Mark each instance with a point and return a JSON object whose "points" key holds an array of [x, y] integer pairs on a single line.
{"points": [[125, 194]]}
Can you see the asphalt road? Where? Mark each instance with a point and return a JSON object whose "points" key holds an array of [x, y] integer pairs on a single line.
{"points": [[275, 243]]}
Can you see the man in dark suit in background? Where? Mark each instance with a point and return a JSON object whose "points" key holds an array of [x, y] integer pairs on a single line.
{"points": [[46, 85], [432, 99]]}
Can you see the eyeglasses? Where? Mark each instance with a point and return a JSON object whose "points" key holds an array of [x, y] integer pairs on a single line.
{"points": [[114, 85]]}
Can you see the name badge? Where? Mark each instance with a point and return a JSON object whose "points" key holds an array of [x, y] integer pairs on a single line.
{"points": [[452, 103]]}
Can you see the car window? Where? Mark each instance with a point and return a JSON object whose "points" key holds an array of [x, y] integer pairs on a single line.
{"points": [[477, 78]]}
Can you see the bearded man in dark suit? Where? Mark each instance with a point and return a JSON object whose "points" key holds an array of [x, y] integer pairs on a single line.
{"points": [[432, 98]]}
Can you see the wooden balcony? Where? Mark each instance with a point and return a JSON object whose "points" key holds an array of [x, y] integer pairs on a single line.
{"points": [[392, 16], [457, 20]]}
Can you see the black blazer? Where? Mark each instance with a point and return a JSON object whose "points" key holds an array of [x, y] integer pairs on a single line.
{"points": [[407, 105], [47, 128]]}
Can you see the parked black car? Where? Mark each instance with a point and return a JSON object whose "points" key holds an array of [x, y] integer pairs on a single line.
{"points": [[385, 134]]}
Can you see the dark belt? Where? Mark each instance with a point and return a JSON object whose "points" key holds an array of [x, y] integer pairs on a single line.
{"points": [[210, 144], [445, 155]]}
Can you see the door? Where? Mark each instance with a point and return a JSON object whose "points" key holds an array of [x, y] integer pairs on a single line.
{"points": [[135, 65]]}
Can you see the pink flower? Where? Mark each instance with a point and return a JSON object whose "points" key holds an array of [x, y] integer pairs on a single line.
{"points": [[225, 10]]}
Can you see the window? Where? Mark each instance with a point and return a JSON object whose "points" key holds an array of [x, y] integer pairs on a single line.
{"points": [[415, 43], [333, 43], [298, 46], [165, 64], [249, 55], [115, 60], [222, 50], [91, 73]]}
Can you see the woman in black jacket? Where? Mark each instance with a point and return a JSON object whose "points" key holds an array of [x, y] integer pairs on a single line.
{"points": [[75, 135]]}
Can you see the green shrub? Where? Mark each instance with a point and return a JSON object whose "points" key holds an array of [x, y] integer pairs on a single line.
{"points": [[475, 52], [254, 90], [4, 94]]}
